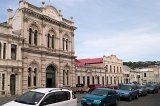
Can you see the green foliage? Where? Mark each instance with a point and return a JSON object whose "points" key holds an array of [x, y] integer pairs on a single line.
{"points": [[141, 64]]}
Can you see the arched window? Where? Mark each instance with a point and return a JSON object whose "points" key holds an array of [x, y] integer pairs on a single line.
{"points": [[67, 44], [35, 37], [53, 41], [67, 77], [30, 35], [35, 77], [63, 43], [48, 41], [29, 77]]}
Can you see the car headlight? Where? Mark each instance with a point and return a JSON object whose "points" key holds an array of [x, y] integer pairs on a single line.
{"points": [[97, 101], [83, 99]]}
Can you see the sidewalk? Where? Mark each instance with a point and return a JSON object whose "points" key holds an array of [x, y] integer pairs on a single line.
{"points": [[4, 100]]}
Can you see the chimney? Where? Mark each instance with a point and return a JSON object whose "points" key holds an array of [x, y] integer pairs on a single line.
{"points": [[9, 13]]}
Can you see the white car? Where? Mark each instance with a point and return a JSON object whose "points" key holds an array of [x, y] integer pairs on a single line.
{"points": [[45, 97]]}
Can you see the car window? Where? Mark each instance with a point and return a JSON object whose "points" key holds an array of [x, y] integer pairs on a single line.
{"points": [[62, 96], [49, 99], [30, 97], [99, 92]]}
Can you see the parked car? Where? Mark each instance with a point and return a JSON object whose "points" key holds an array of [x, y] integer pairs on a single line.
{"points": [[128, 91], [94, 86], [80, 88], [100, 97], [45, 97], [152, 88], [112, 86], [142, 90]]}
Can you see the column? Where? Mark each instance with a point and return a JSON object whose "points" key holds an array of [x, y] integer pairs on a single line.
{"points": [[1, 50], [32, 38]]}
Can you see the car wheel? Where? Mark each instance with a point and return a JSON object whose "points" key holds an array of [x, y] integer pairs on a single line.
{"points": [[130, 98], [136, 97], [116, 102]]}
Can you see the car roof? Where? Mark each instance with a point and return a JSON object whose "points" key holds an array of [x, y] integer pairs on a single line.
{"points": [[45, 90], [128, 84], [105, 89]]}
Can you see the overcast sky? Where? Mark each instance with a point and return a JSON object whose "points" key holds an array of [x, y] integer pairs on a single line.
{"points": [[129, 29]]}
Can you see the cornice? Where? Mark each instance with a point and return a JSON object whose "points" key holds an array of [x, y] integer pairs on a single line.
{"points": [[40, 52], [11, 36], [48, 19]]}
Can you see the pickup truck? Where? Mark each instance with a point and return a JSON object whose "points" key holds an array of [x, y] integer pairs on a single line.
{"points": [[80, 88]]}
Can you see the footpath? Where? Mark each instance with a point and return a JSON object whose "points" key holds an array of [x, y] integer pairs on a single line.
{"points": [[4, 100]]}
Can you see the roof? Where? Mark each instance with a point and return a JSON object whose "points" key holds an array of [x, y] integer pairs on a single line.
{"points": [[88, 61], [45, 90]]}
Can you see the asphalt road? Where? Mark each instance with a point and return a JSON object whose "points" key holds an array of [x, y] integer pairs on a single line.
{"points": [[150, 100]]}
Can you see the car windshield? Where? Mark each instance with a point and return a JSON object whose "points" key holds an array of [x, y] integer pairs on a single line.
{"points": [[139, 87], [149, 85], [30, 97], [99, 92], [125, 87]]}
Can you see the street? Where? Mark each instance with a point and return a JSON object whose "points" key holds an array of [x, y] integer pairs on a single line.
{"points": [[150, 100]]}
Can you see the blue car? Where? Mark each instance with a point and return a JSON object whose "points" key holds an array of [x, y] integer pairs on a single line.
{"points": [[100, 97], [128, 91]]}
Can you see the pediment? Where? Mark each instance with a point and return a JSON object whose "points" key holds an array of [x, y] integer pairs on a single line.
{"points": [[51, 12]]}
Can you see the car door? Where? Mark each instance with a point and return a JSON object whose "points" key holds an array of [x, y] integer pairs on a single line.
{"points": [[109, 97], [73, 100]]}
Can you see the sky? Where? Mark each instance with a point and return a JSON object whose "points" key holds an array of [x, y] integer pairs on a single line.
{"points": [[129, 29]]}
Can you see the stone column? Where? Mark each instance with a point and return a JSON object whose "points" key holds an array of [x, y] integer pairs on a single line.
{"points": [[1, 50]]}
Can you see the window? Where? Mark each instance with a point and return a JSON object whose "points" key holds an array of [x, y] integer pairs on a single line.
{"points": [[120, 69], [29, 77], [67, 44], [98, 79], [111, 80], [63, 43], [114, 69], [107, 80], [92, 79], [4, 51], [110, 68], [117, 70], [67, 77], [84, 80], [48, 45], [35, 37], [3, 80], [49, 99], [34, 77], [145, 75], [13, 51], [103, 80], [53, 41], [106, 68], [78, 78], [30, 35], [64, 77]]}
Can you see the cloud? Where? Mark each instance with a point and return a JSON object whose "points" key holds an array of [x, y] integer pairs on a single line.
{"points": [[136, 44]]}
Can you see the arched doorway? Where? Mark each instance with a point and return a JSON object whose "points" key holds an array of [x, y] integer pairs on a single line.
{"points": [[50, 77], [12, 84]]}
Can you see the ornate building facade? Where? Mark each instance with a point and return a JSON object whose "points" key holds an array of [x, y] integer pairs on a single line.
{"points": [[104, 71], [36, 49]]}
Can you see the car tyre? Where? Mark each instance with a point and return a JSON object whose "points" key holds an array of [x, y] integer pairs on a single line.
{"points": [[116, 102], [130, 98], [136, 97]]}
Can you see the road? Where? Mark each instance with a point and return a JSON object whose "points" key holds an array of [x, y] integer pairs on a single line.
{"points": [[150, 100]]}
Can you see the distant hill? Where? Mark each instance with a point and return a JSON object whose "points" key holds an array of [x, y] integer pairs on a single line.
{"points": [[141, 64]]}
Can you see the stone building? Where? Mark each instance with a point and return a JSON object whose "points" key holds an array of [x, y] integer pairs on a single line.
{"points": [[36, 49], [105, 70]]}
